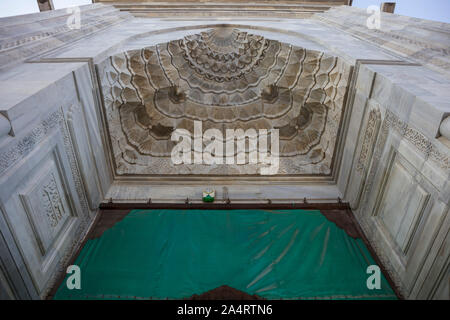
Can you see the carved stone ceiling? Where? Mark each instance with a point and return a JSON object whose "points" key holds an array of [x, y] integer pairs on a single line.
{"points": [[228, 79]]}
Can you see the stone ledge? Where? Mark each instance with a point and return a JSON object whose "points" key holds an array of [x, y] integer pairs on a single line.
{"points": [[30, 35]]}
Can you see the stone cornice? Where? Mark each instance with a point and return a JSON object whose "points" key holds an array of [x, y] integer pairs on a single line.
{"points": [[30, 35]]}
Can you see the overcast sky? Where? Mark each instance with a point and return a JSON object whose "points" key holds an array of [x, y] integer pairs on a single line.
{"points": [[438, 10]]}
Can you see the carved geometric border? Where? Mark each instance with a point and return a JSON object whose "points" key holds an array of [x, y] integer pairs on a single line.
{"points": [[365, 151]]}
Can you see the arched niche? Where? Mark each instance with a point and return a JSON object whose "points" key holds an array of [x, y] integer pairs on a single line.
{"points": [[225, 78]]}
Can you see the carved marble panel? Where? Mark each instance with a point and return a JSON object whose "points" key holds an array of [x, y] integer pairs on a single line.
{"points": [[402, 203], [44, 203], [84, 154]]}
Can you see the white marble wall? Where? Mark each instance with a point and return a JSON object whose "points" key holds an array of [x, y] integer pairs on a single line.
{"points": [[391, 164], [396, 176]]}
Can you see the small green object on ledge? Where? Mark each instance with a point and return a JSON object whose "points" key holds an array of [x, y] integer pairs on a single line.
{"points": [[208, 195]]}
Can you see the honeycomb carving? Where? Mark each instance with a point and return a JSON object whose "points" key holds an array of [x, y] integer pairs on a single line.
{"points": [[228, 79]]}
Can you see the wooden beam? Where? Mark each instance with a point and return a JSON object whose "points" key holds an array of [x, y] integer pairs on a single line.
{"points": [[45, 5], [225, 206], [388, 7]]}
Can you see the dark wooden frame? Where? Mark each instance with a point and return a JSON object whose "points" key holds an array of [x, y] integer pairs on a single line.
{"points": [[226, 206]]}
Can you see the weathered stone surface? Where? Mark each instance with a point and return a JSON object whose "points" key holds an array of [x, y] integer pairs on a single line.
{"points": [[75, 103]]}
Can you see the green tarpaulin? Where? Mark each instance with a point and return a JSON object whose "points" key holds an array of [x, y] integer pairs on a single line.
{"points": [[276, 254]]}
